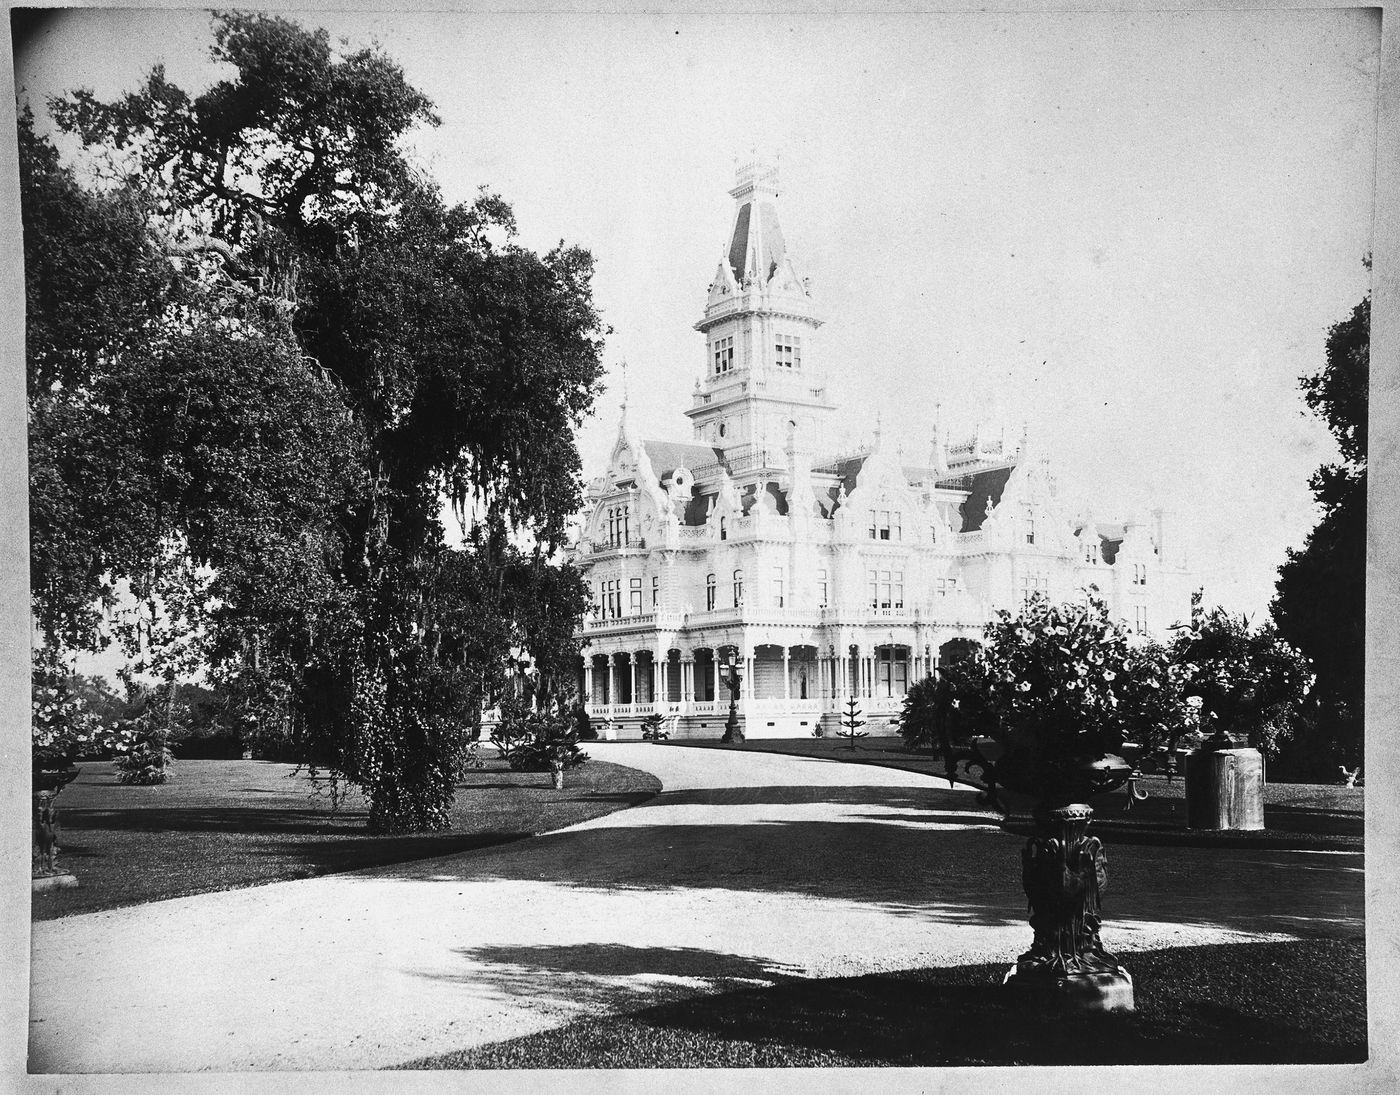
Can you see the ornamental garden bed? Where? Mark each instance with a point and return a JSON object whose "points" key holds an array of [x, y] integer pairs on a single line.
{"points": [[223, 824]]}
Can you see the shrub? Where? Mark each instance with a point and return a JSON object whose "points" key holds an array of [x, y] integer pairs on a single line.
{"points": [[651, 727], [549, 743], [147, 762]]}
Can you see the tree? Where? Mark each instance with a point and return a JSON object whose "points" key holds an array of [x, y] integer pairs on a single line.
{"points": [[457, 364], [851, 723], [1320, 601]]}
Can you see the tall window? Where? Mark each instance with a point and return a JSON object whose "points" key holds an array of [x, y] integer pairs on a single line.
{"points": [[1091, 551], [892, 669], [777, 587], [1031, 584], [655, 590], [1028, 515], [619, 530], [723, 530], [1140, 619], [636, 596], [738, 588], [789, 352], [1139, 574], [723, 349], [821, 589], [946, 587], [709, 592], [886, 588], [612, 599]]}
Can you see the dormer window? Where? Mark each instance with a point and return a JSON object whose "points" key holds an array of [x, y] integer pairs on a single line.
{"points": [[886, 524], [723, 350], [788, 352]]}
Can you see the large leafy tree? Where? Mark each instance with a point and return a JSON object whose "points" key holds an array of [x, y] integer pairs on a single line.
{"points": [[1320, 604], [459, 364]]}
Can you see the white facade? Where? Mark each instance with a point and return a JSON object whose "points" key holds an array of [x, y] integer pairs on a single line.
{"points": [[824, 575]]}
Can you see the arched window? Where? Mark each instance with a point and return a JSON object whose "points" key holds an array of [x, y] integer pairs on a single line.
{"points": [[738, 588], [709, 592], [723, 530]]}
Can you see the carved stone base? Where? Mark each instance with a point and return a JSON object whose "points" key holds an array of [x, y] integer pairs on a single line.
{"points": [[41, 883], [1043, 989]]}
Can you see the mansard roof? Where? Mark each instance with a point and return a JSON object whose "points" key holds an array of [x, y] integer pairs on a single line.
{"points": [[846, 469], [757, 244], [1110, 539], [980, 486], [667, 456]]}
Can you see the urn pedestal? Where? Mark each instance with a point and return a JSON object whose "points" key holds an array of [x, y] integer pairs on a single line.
{"points": [[1225, 789], [1064, 871]]}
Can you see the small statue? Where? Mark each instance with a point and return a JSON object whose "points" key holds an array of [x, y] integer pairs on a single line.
{"points": [[45, 833]]}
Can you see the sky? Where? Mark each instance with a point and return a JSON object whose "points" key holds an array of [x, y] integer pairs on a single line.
{"points": [[1129, 232]]}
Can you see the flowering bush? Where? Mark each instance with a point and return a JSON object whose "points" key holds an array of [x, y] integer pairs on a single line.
{"points": [[1248, 682], [1048, 687], [62, 726], [1156, 713]]}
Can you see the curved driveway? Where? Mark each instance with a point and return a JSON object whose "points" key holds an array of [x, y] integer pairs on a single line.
{"points": [[748, 869]]}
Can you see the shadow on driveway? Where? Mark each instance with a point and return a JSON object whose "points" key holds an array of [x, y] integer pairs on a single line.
{"points": [[912, 856]]}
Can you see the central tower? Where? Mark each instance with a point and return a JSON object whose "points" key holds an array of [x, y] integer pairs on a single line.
{"points": [[761, 373]]}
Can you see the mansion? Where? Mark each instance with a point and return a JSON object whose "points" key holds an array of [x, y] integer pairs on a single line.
{"points": [[820, 576]]}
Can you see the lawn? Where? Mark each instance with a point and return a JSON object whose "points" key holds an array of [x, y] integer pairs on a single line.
{"points": [[1242, 1003], [1296, 815], [221, 824]]}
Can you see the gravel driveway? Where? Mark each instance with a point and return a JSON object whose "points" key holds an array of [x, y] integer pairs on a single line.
{"points": [[748, 869]]}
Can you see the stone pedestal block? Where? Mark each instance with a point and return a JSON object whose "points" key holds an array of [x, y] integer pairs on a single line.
{"points": [[1225, 789], [1110, 990]]}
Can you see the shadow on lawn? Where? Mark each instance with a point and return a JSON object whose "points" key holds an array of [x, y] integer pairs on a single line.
{"points": [[1233, 1003], [230, 819], [609, 977]]}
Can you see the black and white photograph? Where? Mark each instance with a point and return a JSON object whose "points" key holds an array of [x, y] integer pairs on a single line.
{"points": [[549, 542]]}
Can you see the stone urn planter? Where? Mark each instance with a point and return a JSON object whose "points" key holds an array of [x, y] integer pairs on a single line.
{"points": [[1064, 873], [1041, 707]]}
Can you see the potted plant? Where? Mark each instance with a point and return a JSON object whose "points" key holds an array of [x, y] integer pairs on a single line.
{"points": [[1044, 697]]}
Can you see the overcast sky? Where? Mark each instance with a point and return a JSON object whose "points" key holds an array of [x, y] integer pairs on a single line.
{"points": [[1130, 230]]}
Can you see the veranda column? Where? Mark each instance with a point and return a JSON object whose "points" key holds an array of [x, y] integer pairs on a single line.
{"points": [[787, 674], [714, 660], [632, 665], [588, 682]]}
